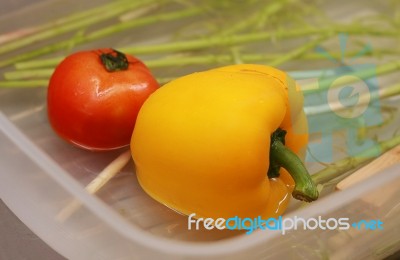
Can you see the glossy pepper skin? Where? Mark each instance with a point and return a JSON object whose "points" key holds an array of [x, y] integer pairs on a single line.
{"points": [[202, 142]]}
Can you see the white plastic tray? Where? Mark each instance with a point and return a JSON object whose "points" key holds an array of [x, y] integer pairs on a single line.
{"points": [[40, 175]]}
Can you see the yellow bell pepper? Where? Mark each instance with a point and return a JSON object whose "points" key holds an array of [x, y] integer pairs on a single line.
{"points": [[223, 143]]}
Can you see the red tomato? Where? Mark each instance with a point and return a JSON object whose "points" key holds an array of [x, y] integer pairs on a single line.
{"points": [[94, 97]]}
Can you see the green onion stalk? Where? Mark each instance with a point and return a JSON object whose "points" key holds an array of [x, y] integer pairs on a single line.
{"points": [[226, 37], [72, 23], [101, 33], [340, 167], [33, 68], [28, 68], [24, 36], [180, 60]]}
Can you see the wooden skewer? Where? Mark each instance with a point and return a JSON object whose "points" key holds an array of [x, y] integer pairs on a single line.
{"points": [[105, 175], [376, 167], [353, 238], [384, 161]]}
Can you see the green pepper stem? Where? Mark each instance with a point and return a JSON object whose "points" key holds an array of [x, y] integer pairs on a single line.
{"points": [[281, 156]]}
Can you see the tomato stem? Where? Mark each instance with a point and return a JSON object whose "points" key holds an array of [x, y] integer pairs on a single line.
{"points": [[114, 61], [281, 156]]}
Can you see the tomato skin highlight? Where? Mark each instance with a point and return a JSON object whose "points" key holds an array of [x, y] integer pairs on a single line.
{"points": [[94, 108]]}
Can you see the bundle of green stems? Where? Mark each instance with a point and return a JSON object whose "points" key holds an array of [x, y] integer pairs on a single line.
{"points": [[206, 34]]}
